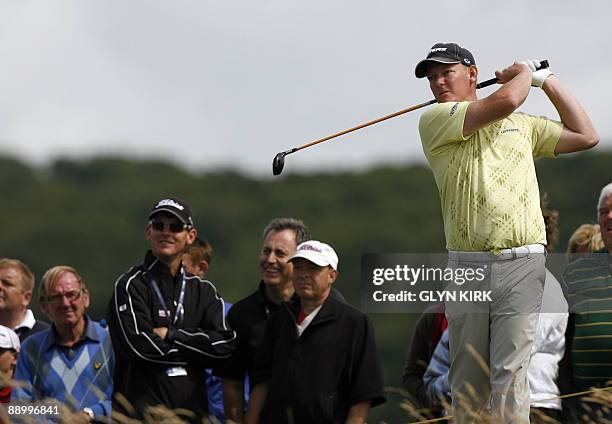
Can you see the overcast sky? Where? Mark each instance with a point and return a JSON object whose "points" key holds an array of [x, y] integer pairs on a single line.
{"points": [[212, 84]]}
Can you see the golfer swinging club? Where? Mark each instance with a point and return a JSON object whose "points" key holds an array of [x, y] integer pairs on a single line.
{"points": [[481, 153]]}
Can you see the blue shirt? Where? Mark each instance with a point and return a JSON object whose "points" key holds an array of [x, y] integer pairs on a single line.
{"points": [[436, 375], [79, 376], [215, 388]]}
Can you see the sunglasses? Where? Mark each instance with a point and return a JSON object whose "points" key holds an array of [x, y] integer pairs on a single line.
{"points": [[175, 227], [55, 299]]}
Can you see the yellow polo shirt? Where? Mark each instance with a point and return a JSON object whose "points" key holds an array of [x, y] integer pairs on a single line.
{"points": [[487, 180]]}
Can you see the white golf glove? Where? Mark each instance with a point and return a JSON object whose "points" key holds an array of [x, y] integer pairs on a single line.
{"points": [[538, 75]]}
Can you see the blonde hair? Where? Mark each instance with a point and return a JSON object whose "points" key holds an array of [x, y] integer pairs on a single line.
{"points": [[199, 250], [27, 277], [587, 236], [51, 276]]}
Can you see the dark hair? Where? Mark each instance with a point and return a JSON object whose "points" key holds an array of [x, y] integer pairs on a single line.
{"points": [[302, 233], [200, 250]]}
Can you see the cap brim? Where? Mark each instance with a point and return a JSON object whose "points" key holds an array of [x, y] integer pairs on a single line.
{"points": [[312, 257], [170, 211], [421, 69]]}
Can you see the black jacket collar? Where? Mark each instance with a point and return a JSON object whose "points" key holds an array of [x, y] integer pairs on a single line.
{"points": [[265, 302], [329, 310], [156, 267]]}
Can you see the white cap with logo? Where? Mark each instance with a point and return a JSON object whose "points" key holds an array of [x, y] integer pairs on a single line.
{"points": [[8, 339], [316, 252]]}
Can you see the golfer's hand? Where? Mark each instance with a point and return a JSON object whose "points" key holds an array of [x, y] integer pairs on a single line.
{"points": [[511, 71], [538, 75], [161, 332]]}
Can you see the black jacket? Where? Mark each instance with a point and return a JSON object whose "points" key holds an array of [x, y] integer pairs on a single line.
{"points": [[148, 370], [317, 377], [427, 333], [248, 318]]}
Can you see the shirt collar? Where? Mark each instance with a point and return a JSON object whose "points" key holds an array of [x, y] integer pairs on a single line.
{"points": [[90, 333], [327, 311], [27, 322]]}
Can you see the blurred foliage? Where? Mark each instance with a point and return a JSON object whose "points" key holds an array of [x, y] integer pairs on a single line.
{"points": [[91, 215]]}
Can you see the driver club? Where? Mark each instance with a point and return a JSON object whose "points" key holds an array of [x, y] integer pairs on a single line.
{"points": [[279, 160]]}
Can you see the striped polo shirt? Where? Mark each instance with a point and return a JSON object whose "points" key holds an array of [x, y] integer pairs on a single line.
{"points": [[588, 283]]}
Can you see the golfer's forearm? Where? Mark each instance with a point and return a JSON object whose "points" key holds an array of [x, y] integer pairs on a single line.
{"points": [[516, 81], [515, 91], [572, 114]]}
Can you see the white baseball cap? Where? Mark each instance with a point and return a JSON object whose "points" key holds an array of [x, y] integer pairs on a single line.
{"points": [[8, 339], [316, 252]]}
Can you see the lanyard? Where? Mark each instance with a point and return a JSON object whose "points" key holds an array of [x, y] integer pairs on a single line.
{"points": [[179, 307]]}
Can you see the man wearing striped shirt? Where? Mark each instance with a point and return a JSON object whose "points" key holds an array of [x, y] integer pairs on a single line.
{"points": [[588, 285]]}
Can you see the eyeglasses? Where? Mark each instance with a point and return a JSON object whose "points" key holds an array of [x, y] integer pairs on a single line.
{"points": [[175, 227], [55, 299]]}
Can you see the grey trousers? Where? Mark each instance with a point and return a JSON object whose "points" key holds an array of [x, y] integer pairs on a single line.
{"points": [[490, 343]]}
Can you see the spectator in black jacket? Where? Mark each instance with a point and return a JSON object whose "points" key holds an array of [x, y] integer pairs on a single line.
{"points": [[318, 362], [167, 325], [17, 284], [248, 316], [427, 333]]}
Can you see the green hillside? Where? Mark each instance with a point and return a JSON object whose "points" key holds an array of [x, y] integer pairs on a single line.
{"points": [[91, 215]]}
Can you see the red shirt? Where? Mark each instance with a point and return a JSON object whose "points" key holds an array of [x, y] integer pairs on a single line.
{"points": [[5, 394]]}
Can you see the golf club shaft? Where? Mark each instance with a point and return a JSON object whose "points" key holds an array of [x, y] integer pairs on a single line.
{"points": [[543, 64], [487, 83], [358, 127]]}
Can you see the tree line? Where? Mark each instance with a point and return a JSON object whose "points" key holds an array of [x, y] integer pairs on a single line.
{"points": [[91, 214]]}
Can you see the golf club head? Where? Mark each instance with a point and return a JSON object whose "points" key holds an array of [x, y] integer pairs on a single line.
{"points": [[278, 163]]}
